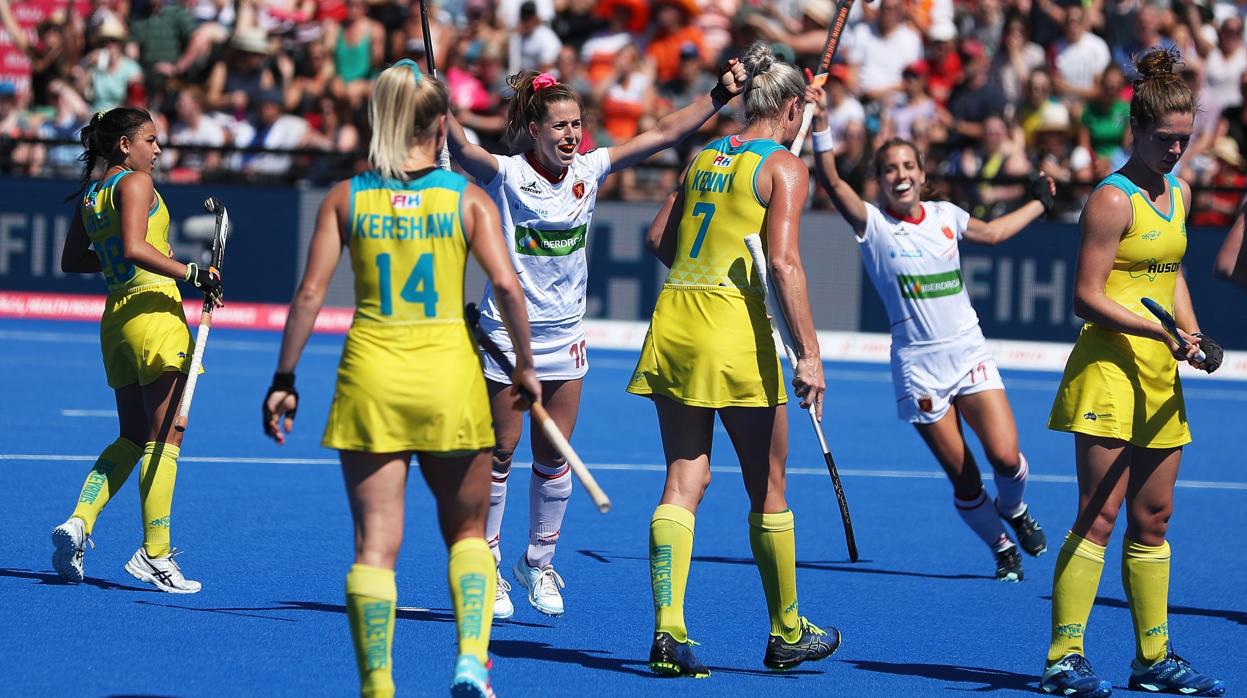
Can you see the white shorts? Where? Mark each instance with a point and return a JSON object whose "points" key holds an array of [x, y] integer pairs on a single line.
{"points": [[927, 378], [559, 351]]}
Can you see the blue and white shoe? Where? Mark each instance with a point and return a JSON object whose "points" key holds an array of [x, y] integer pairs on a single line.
{"points": [[1173, 674], [471, 679], [543, 585], [69, 546], [1074, 677]]}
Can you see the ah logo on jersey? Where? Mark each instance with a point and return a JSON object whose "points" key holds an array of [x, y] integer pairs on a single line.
{"points": [[578, 189], [1150, 269], [948, 232], [530, 188], [722, 160], [1151, 235], [406, 200]]}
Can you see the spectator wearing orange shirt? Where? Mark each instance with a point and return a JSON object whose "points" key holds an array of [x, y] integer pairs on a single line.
{"points": [[673, 20]]}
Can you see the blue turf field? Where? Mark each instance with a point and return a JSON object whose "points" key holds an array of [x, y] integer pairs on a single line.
{"points": [[267, 531]]}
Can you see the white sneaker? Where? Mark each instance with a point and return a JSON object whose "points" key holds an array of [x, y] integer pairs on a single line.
{"points": [[163, 572], [69, 541], [543, 586], [503, 608]]}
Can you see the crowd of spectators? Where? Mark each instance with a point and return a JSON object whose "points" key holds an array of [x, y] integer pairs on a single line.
{"points": [[991, 90]]}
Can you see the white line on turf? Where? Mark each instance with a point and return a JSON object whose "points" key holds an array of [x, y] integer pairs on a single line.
{"points": [[88, 413], [631, 467]]}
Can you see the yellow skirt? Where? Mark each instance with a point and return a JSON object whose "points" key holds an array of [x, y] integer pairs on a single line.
{"points": [[1122, 387], [710, 346], [143, 333], [409, 388]]}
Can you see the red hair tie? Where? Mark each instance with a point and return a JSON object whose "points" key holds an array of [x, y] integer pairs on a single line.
{"points": [[544, 80]]}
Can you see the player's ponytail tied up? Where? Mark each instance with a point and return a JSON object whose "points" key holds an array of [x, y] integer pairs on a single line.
{"points": [[101, 136], [404, 110], [1159, 90], [774, 82], [534, 93]]}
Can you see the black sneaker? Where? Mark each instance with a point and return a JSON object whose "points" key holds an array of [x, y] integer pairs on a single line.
{"points": [[1029, 534], [670, 658], [1009, 565], [814, 644]]}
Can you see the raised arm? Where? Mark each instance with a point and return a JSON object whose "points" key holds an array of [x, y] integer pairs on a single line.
{"points": [[474, 160], [676, 126], [998, 230], [847, 201], [76, 256], [785, 186], [481, 221], [1232, 257], [322, 258]]}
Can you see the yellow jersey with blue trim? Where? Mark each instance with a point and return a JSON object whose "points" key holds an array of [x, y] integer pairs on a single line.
{"points": [[721, 207], [1150, 253], [1123, 386], [101, 218], [408, 247]]}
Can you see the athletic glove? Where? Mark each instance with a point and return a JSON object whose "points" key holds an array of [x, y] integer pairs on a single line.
{"points": [[1213, 354], [282, 383], [206, 280], [1038, 186]]}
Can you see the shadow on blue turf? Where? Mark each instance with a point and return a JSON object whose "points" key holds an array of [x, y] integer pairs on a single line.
{"points": [[601, 659], [54, 579], [991, 679], [1239, 617], [857, 567]]}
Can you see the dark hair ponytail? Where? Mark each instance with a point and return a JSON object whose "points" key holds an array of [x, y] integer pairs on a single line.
{"points": [[1159, 90], [532, 103], [102, 134]]}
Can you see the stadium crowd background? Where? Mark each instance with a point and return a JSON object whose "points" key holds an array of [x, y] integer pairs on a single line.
{"points": [[990, 89]]}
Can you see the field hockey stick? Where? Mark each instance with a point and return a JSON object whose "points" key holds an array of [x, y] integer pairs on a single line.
{"points": [[780, 323], [219, 236], [443, 158], [1170, 326], [839, 18], [548, 427]]}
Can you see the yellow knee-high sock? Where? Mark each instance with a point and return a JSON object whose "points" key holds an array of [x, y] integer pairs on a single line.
{"points": [[473, 581], [157, 475], [1074, 585], [371, 596], [670, 552], [107, 476], [773, 540], [1145, 575]]}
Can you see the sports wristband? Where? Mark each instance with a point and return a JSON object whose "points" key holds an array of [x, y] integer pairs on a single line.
{"points": [[283, 381], [719, 96], [823, 140]]}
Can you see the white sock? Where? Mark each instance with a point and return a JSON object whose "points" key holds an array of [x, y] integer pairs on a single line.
{"points": [[982, 519], [497, 504], [548, 492], [1009, 490]]}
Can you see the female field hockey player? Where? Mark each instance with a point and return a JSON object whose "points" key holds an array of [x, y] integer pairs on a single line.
{"points": [[1122, 398], [144, 338], [410, 378], [942, 371], [709, 350], [547, 195]]}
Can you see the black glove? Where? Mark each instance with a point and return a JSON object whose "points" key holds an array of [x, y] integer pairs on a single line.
{"points": [[282, 383], [1213, 354], [205, 280], [1038, 186]]}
